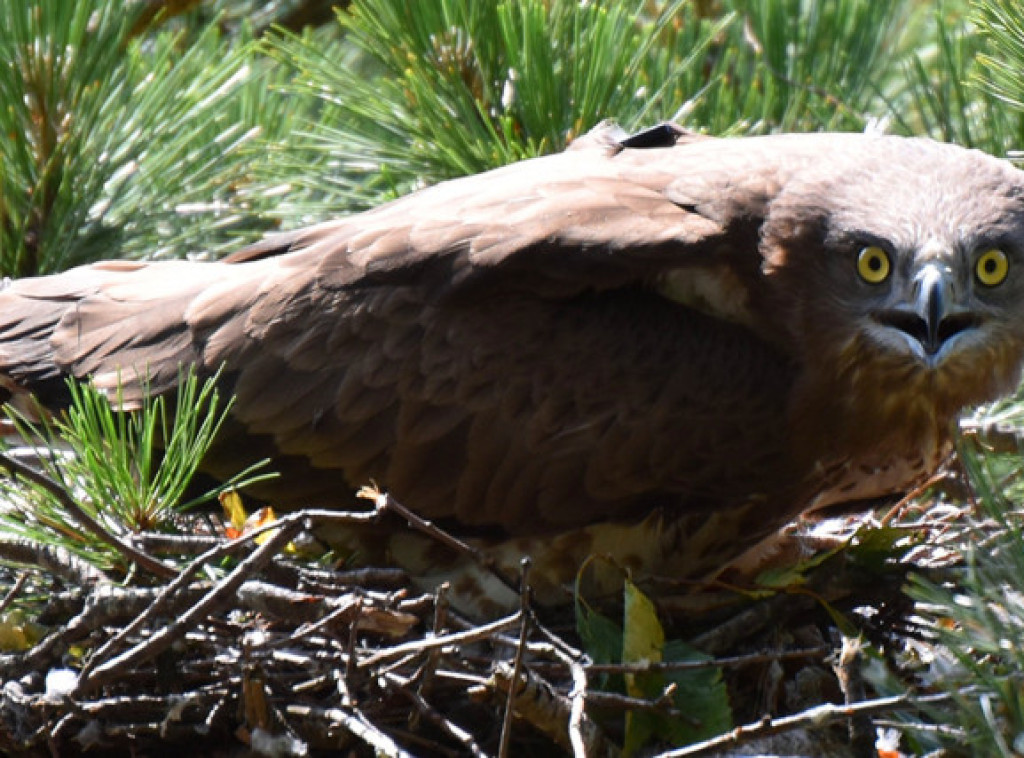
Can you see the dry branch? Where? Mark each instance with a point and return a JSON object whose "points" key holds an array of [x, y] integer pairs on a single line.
{"points": [[245, 644]]}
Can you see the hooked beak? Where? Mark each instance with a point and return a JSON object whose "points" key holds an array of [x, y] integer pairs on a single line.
{"points": [[931, 317]]}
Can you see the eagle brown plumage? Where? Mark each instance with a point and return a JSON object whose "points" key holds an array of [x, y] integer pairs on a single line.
{"points": [[663, 347]]}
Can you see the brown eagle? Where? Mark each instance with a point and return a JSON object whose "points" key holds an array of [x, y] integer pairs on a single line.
{"points": [[661, 347]]}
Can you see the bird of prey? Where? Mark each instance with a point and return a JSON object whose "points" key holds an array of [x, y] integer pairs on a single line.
{"points": [[660, 347]]}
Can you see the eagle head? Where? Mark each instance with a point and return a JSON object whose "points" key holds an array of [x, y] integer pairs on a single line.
{"points": [[905, 285]]}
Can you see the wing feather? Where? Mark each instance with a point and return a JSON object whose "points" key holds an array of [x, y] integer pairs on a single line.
{"points": [[490, 347]]}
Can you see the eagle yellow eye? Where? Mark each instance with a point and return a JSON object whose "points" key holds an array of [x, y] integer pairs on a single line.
{"points": [[992, 267], [873, 265]]}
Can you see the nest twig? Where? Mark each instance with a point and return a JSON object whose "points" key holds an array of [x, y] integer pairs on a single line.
{"points": [[292, 659]]}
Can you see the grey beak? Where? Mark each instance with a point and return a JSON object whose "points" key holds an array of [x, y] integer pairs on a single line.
{"points": [[933, 292], [931, 316]]}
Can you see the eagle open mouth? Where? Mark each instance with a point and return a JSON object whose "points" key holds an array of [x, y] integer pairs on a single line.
{"points": [[930, 335]]}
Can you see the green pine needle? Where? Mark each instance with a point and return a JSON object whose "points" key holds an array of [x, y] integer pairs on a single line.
{"points": [[121, 146], [128, 471]]}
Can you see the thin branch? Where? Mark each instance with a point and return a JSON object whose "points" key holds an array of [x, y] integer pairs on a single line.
{"points": [[434, 656], [175, 544], [585, 737], [149, 563], [549, 712], [517, 660], [13, 593], [165, 637], [578, 702], [734, 661], [163, 600], [916, 492], [58, 560], [355, 722], [815, 717], [849, 672], [453, 730], [475, 634], [386, 502], [663, 704], [106, 605]]}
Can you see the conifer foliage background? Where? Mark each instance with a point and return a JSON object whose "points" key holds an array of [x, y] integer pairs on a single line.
{"points": [[156, 129], [171, 128]]}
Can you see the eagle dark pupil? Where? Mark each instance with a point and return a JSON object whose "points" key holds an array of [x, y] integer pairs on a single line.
{"points": [[990, 266], [875, 264]]}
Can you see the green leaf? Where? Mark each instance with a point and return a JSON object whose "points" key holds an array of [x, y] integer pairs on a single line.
{"points": [[643, 641], [601, 637], [643, 638], [700, 695], [786, 577]]}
